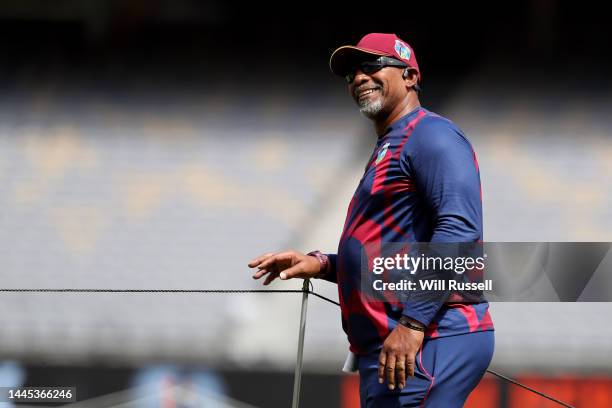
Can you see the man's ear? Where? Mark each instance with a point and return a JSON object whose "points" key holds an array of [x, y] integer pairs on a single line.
{"points": [[406, 75]]}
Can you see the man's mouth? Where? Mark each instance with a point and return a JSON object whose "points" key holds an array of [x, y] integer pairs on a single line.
{"points": [[365, 92]]}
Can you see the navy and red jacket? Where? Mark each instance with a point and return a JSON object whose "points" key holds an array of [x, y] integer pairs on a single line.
{"points": [[421, 184]]}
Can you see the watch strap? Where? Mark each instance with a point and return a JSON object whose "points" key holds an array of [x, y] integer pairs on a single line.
{"points": [[407, 322], [323, 261]]}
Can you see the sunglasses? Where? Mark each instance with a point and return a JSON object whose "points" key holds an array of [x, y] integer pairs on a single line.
{"points": [[372, 66]]}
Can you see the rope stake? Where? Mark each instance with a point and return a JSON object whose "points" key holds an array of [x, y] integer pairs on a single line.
{"points": [[297, 378]]}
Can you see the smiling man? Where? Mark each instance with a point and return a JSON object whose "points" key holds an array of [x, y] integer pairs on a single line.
{"points": [[421, 184]]}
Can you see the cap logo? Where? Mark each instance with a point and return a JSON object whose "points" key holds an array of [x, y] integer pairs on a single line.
{"points": [[402, 50]]}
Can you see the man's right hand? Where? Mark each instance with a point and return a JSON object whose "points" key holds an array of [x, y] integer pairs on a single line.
{"points": [[286, 265]]}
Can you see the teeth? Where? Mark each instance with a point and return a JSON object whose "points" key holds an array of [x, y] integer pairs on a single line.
{"points": [[366, 92]]}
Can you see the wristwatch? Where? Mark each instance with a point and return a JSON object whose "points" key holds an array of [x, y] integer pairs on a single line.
{"points": [[407, 322], [323, 261]]}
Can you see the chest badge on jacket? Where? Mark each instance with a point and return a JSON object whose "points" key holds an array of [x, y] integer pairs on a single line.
{"points": [[382, 153]]}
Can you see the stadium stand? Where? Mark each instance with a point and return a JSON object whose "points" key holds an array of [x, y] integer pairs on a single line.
{"points": [[125, 188]]}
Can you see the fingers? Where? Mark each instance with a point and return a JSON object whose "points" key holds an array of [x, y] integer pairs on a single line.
{"points": [[395, 369], [273, 275], [275, 258], [390, 371], [410, 366], [382, 360], [400, 372], [285, 265], [260, 273], [255, 262], [293, 272]]}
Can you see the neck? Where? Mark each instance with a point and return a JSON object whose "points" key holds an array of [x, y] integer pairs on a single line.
{"points": [[407, 105]]}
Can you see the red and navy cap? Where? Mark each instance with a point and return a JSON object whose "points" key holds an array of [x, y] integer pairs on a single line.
{"points": [[390, 45]]}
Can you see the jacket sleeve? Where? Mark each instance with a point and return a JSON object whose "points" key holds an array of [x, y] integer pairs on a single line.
{"points": [[443, 165]]}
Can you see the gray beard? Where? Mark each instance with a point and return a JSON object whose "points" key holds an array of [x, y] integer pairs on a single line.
{"points": [[371, 109]]}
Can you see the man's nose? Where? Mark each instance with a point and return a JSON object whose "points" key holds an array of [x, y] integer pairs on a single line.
{"points": [[360, 77]]}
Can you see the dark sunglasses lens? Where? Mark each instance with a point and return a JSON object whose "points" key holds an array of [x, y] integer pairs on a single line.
{"points": [[367, 67], [371, 67]]}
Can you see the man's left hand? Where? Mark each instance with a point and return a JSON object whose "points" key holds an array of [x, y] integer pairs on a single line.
{"points": [[397, 357]]}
